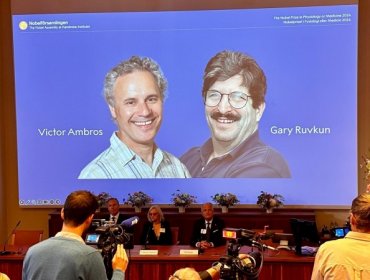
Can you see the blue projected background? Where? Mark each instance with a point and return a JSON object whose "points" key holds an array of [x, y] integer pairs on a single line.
{"points": [[309, 55]]}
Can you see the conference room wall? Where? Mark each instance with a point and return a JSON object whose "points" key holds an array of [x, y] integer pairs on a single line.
{"points": [[32, 218]]}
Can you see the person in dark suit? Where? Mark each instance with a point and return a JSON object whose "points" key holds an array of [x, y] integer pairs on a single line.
{"points": [[207, 231], [113, 208], [156, 230]]}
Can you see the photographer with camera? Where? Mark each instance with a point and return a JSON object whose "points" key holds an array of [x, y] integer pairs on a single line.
{"points": [[66, 256], [241, 266], [212, 273], [189, 273], [347, 258]]}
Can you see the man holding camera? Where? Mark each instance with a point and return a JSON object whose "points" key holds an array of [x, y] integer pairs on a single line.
{"points": [[66, 256], [347, 258]]}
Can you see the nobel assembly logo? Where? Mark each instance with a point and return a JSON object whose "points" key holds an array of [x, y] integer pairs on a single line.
{"points": [[23, 25], [39, 25]]}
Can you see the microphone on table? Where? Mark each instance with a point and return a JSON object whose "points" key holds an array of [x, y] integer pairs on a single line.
{"points": [[5, 252], [146, 247], [264, 246], [128, 223]]}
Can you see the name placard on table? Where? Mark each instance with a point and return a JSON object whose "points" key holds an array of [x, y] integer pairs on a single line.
{"points": [[148, 252], [189, 252]]}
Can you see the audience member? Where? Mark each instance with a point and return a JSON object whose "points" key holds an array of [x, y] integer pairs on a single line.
{"points": [[348, 258], [207, 231], [4, 276], [66, 256], [156, 230], [189, 273]]}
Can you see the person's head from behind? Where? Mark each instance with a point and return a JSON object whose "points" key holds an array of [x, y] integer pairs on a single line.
{"points": [[207, 211], [186, 273], [155, 214], [234, 89], [360, 213], [113, 206], [135, 91], [78, 207]]}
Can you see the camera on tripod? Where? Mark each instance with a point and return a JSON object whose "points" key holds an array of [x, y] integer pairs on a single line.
{"points": [[235, 266], [106, 236]]}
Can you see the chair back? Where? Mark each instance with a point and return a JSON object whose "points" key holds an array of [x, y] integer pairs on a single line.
{"points": [[26, 237]]}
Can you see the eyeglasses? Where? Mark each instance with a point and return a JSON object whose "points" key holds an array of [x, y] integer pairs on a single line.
{"points": [[236, 99], [153, 214]]}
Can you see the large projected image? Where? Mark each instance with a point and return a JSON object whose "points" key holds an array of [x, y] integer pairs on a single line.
{"points": [[239, 100]]}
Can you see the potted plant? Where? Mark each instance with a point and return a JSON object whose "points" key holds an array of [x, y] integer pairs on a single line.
{"points": [[138, 200], [366, 167], [182, 200], [225, 200], [269, 201], [102, 198]]}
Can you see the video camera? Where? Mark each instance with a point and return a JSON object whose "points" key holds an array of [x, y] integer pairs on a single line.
{"points": [[235, 267], [107, 236]]}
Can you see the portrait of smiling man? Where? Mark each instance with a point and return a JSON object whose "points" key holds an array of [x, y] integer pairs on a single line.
{"points": [[234, 89], [135, 92]]}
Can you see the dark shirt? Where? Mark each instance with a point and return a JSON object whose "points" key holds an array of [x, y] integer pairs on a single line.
{"points": [[251, 159], [148, 236], [215, 236], [120, 219]]}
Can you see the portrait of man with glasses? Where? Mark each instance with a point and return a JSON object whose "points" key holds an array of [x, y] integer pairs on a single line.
{"points": [[234, 89]]}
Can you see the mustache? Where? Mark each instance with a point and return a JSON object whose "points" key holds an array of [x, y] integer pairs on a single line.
{"points": [[228, 115]]}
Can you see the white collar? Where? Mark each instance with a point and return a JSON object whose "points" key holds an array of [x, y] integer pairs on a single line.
{"points": [[210, 222], [70, 235]]}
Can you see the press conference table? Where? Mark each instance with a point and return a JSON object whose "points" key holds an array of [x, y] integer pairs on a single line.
{"points": [[11, 264], [277, 265]]}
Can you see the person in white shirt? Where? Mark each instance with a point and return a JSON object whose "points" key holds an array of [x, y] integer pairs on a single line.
{"points": [[347, 258]]}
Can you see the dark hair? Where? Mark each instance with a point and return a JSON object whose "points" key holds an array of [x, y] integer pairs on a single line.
{"points": [[113, 198], [361, 210], [227, 64], [78, 206]]}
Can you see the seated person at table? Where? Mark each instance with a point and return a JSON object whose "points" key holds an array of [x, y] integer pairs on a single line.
{"points": [[114, 215], [157, 230], [207, 231]]}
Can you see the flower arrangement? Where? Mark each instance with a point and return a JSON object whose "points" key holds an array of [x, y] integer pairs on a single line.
{"points": [[366, 166], [269, 201], [138, 199], [183, 199], [225, 199], [102, 198]]}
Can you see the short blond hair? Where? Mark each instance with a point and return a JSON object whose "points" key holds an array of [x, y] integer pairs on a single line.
{"points": [[159, 210], [187, 273], [361, 210]]}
